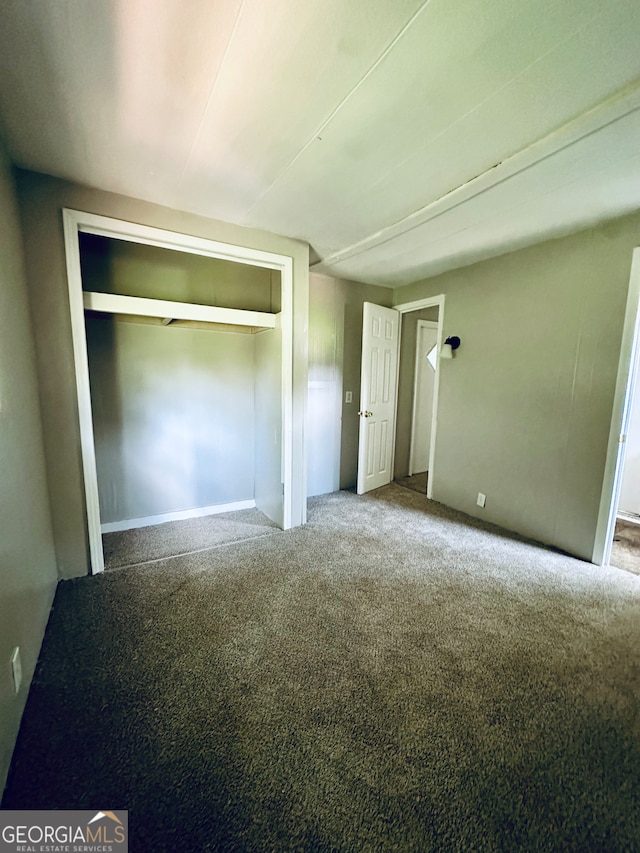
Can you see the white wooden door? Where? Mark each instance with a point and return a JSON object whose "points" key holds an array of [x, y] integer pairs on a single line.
{"points": [[377, 396], [425, 377]]}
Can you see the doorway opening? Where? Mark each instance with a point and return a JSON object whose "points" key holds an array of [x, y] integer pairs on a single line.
{"points": [[418, 370], [619, 489], [147, 317], [625, 548], [398, 398], [421, 338]]}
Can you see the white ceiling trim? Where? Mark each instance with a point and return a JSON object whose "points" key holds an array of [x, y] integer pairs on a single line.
{"points": [[590, 122]]}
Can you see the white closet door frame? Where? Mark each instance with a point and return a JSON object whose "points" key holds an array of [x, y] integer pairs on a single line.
{"points": [[74, 222]]}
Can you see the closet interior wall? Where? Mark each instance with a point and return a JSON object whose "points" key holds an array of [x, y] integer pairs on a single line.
{"points": [[174, 402]]}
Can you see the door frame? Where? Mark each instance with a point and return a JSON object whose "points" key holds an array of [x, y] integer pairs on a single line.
{"points": [[407, 308], [626, 380], [421, 324], [75, 222]]}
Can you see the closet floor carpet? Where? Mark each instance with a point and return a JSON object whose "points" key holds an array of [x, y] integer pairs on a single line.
{"points": [[625, 553], [175, 538]]}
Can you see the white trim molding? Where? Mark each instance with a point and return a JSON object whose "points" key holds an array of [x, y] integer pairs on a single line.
{"points": [[630, 517], [180, 515]]}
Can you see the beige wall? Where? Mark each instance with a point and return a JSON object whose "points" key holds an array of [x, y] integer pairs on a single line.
{"points": [[27, 560], [355, 295], [525, 406], [324, 400], [406, 380], [173, 417], [133, 269], [41, 201]]}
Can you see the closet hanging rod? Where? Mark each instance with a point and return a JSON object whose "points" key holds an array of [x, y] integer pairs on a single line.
{"points": [[114, 303]]}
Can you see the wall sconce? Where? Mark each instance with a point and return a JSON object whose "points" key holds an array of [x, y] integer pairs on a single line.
{"points": [[449, 346]]}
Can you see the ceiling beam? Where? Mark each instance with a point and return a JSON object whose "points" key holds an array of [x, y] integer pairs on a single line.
{"points": [[615, 108]]}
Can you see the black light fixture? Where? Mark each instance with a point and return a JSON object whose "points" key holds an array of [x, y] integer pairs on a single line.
{"points": [[450, 346]]}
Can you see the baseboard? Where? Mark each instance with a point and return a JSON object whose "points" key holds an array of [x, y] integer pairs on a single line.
{"points": [[628, 516], [181, 515]]}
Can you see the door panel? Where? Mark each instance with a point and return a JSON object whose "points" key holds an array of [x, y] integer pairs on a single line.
{"points": [[377, 396]]}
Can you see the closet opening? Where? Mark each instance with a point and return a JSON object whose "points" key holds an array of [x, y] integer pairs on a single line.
{"points": [[183, 362]]}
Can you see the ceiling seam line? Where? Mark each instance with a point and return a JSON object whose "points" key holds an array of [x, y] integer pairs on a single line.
{"points": [[379, 238], [487, 100], [335, 111], [389, 47], [212, 90]]}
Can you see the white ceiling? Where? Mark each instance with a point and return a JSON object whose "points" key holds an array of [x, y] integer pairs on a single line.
{"points": [[400, 138]]}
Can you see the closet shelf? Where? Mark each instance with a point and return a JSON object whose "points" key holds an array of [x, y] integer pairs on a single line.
{"points": [[137, 306]]}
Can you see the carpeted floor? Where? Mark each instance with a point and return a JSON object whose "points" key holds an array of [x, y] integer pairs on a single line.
{"points": [[625, 552], [417, 482], [174, 538], [392, 676]]}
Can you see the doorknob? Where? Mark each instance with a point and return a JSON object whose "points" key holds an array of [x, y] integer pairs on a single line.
{"points": [[366, 414]]}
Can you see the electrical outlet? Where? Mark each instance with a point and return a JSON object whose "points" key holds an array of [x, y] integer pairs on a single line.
{"points": [[348, 397], [16, 669], [482, 499]]}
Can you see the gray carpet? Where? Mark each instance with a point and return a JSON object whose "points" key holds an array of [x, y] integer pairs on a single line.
{"points": [[392, 676], [625, 552], [140, 545]]}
